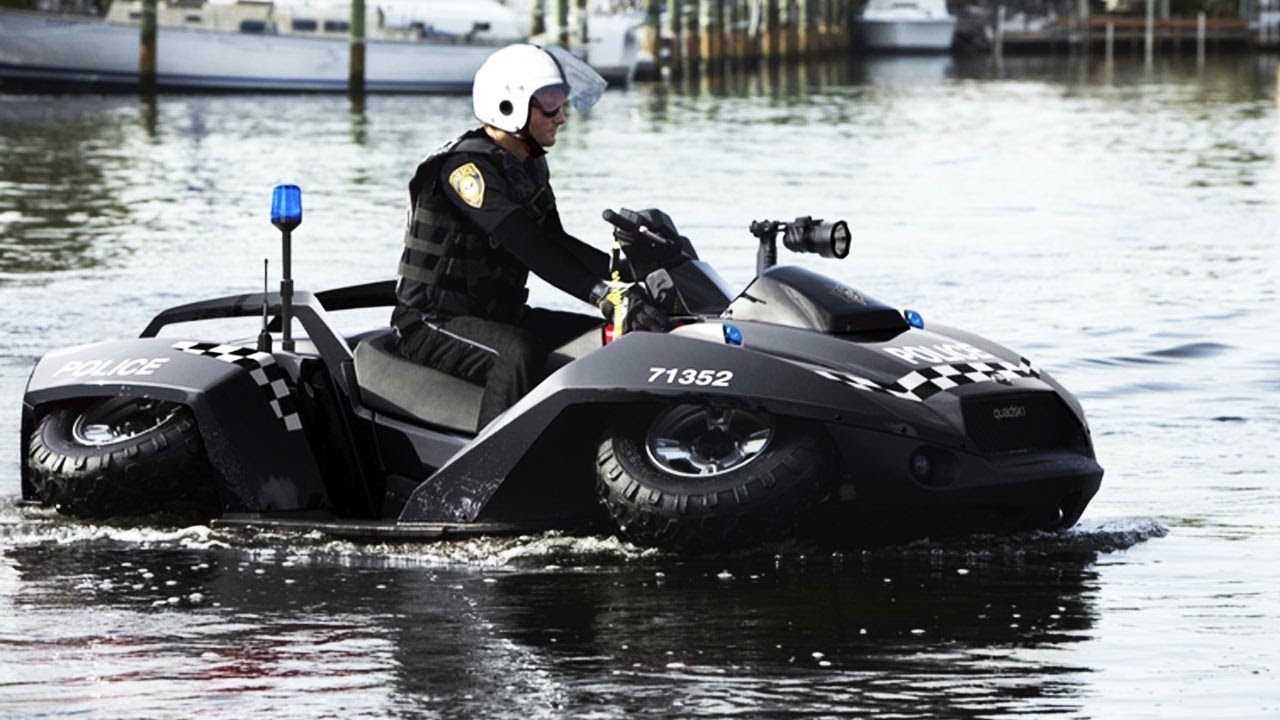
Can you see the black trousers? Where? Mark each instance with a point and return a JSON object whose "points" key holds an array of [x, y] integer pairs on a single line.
{"points": [[508, 360]]}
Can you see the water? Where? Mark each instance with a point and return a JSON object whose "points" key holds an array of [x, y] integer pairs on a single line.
{"points": [[1113, 223]]}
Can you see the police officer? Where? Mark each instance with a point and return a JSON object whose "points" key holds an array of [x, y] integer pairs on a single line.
{"points": [[482, 216]]}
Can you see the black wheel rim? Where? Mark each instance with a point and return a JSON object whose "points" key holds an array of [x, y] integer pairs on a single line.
{"points": [[120, 419], [701, 441]]}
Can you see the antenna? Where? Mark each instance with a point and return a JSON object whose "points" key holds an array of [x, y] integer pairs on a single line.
{"points": [[264, 337]]}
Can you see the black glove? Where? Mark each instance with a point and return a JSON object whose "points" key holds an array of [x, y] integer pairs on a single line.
{"points": [[641, 313]]}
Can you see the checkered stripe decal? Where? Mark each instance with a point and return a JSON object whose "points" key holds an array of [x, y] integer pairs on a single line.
{"points": [[920, 385], [262, 368]]}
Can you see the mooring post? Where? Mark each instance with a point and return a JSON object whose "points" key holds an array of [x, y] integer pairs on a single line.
{"points": [[1111, 41], [1084, 24], [692, 57], [1200, 33], [562, 22], [650, 33], [1150, 37], [355, 78], [675, 24], [769, 31], [582, 34], [712, 34], [147, 49], [786, 29], [998, 46], [538, 18], [804, 27]]}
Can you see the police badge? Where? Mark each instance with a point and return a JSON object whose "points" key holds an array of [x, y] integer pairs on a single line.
{"points": [[469, 184]]}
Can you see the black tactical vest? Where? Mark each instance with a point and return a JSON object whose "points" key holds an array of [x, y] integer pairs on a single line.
{"points": [[449, 266]]}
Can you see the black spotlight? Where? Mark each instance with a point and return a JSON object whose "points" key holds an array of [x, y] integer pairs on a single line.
{"points": [[828, 239]]}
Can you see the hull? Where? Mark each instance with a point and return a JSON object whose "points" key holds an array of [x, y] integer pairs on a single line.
{"points": [[909, 35], [614, 50], [36, 48]]}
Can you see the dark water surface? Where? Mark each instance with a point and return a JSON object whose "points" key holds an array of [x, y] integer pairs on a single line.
{"points": [[1116, 224]]}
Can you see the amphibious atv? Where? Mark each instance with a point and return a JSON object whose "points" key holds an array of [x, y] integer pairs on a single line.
{"points": [[798, 408]]}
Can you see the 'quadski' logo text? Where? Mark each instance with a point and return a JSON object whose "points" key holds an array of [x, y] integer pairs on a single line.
{"points": [[1009, 413]]}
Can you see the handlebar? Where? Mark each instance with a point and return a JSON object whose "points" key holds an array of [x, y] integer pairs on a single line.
{"points": [[622, 223]]}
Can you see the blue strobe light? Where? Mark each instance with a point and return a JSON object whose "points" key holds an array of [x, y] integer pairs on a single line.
{"points": [[913, 319], [286, 207], [732, 335]]}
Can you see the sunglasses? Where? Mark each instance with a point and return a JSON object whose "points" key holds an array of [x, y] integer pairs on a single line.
{"points": [[549, 114]]}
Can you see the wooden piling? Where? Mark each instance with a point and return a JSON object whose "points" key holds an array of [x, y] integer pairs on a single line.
{"points": [[582, 33], [538, 18], [1150, 35], [562, 22], [650, 32], [692, 46], [804, 28], [769, 31], [675, 25], [711, 16], [1111, 42], [1084, 24], [355, 75], [1200, 33], [147, 49]]}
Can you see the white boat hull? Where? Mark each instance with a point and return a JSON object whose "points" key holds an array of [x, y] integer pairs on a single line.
{"points": [[66, 49], [909, 35]]}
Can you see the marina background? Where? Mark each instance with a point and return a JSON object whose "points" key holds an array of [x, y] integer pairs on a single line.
{"points": [[1114, 220]]}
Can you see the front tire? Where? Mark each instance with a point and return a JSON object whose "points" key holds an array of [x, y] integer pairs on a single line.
{"points": [[701, 478], [120, 457]]}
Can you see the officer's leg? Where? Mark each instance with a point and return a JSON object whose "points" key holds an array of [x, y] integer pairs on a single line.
{"points": [[505, 359]]}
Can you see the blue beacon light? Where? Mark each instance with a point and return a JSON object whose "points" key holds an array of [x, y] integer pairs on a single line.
{"points": [[286, 214], [913, 319], [286, 207], [732, 335]]}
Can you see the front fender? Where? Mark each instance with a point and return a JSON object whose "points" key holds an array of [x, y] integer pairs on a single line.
{"points": [[664, 368], [243, 406]]}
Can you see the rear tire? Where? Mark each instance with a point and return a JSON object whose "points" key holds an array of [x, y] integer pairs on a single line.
{"points": [[121, 457], [703, 479]]}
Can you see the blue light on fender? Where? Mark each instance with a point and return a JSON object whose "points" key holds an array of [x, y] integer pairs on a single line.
{"points": [[913, 319], [286, 207], [732, 335]]}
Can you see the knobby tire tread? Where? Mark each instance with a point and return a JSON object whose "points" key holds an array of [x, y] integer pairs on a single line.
{"points": [[163, 470], [765, 500]]}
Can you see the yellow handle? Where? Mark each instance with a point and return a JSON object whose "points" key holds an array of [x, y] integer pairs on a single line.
{"points": [[615, 298]]}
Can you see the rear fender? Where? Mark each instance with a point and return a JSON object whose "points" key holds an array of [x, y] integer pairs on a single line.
{"points": [[653, 368], [251, 431]]}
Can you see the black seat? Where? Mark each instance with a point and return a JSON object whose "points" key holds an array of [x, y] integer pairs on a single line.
{"points": [[392, 384]]}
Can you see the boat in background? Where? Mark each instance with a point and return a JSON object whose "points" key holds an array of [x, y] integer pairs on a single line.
{"points": [[247, 45], [613, 46], [907, 25]]}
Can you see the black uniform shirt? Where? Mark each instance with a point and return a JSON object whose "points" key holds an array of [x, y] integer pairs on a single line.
{"points": [[479, 188]]}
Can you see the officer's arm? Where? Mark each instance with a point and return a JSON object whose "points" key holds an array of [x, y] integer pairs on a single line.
{"points": [[595, 260], [546, 257]]}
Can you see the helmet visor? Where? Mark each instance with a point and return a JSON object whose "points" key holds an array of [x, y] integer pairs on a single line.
{"points": [[583, 85], [551, 98]]}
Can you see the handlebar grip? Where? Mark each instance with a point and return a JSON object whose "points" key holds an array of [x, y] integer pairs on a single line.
{"points": [[619, 221]]}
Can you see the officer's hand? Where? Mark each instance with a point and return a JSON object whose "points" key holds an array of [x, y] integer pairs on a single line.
{"points": [[641, 313]]}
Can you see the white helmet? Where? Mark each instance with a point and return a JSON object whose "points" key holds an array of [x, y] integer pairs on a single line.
{"points": [[512, 76]]}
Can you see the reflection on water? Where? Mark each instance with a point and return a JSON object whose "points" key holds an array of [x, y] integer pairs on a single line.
{"points": [[884, 632]]}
